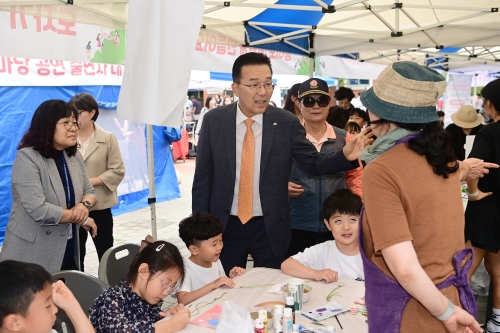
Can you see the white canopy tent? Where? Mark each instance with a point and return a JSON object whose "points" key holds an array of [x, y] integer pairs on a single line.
{"points": [[380, 31]]}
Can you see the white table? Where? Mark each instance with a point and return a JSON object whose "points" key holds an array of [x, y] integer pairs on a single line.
{"points": [[246, 297]]}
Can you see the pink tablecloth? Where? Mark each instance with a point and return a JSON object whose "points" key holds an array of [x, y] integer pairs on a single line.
{"points": [[352, 291]]}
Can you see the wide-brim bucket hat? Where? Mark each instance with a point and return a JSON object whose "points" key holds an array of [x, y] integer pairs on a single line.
{"points": [[467, 117], [405, 92]]}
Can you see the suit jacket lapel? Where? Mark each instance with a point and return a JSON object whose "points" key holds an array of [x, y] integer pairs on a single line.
{"points": [[55, 179], [97, 137], [77, 185], [269, 126], [230, 139]]}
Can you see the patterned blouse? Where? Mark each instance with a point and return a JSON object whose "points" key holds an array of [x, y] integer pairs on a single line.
{"points": [[120, 310]]}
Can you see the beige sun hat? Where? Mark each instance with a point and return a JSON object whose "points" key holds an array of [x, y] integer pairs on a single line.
{"points": [[467, 117]]}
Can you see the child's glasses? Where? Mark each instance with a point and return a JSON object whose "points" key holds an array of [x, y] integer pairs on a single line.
{"points": [[171, 290]]}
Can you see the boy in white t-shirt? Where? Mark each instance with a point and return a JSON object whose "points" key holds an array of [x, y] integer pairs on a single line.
{"points": [[202, 234], [337, 259]]}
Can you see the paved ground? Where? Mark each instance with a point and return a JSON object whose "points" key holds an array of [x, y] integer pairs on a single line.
{"points": [[134, 226]]}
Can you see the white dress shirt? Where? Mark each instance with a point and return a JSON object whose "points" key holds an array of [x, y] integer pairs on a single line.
{"points": [[241, 129]]}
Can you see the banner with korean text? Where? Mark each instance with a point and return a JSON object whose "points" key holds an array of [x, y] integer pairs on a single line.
{"points": [[18, 72]]}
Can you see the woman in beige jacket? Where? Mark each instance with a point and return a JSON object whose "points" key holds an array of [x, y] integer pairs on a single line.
{"points": [[105, 169]]}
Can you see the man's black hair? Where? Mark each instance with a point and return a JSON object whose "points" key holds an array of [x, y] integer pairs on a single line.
{"points": [[199, 227], [251, 58]]}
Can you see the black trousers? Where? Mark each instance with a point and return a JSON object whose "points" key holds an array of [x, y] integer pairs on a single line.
{"points": [[104, 240], [240, 240], [302, 239]]}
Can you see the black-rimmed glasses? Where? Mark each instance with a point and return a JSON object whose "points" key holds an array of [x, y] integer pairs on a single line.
{"points": [[256, 87]]}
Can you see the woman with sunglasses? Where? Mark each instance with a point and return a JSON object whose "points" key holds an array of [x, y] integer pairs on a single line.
{"points": [[134, 304], [49, 188], [305, 190], [105, 168]]}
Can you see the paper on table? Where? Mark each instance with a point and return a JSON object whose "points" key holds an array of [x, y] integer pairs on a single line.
{"points": [[326, 311], [210, 318]]}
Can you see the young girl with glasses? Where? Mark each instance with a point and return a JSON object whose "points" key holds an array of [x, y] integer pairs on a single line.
{"points": [[134, 304]]}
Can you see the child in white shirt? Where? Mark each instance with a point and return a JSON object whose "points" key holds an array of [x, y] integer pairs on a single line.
{"points": [[337, 259], [202, 234]]}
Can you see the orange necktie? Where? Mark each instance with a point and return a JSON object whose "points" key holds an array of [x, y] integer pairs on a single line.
{"points": [[245, 195]]}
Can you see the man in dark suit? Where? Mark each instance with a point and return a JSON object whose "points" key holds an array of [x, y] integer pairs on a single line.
{"points": [[243, 164]]}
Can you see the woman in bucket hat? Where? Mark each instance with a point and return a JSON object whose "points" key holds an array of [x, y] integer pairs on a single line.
{"points": [[482, 217], [412, 229], [466, 121]]}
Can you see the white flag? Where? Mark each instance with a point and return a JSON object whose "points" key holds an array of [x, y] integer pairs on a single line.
{"points": [[161, 41]]}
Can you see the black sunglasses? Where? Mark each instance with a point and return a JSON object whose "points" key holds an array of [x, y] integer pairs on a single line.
{"points": [[309, 101]]}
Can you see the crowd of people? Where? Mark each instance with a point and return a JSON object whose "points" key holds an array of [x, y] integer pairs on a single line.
{"points": [[321, 192]]}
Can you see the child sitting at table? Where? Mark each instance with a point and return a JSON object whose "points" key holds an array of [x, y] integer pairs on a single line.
{"points": [[202, 234], [337, 259], [29, 300], [133, 305]]}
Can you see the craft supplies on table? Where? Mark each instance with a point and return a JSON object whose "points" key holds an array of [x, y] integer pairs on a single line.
{"points": [[252, 289], [325, 311]]}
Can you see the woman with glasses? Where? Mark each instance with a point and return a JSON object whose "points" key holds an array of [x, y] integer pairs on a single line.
{"points": [[51, 192], [134, 304], [105, 168]]}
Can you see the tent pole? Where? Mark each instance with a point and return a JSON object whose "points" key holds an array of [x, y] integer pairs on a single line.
{"points": [[311, 66], [475, 84], [151, 175]]}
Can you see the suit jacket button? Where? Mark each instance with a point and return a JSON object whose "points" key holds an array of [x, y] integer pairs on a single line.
{"points": [[48, 232]]}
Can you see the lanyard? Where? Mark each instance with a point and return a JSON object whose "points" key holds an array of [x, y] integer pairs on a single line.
{"points": [[68, 192]]}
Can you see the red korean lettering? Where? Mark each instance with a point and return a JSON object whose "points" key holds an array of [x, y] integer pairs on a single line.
{"points": [[58, 64], [101, 70], [88, 68], [6, 65], [49, 26], [44, 69], [38, 22], [231, 50], [76, 68], [22, 70], [221, 49], [66, 28], [13, 21]]}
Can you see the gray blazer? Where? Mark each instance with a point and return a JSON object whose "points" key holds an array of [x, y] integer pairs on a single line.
{"points": [[283, 140], [33, 232]]}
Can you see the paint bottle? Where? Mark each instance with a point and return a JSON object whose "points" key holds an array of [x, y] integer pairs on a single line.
{"points": [[287, 321], [258, 326], [278, 318], [290, 303], [265, 321]]}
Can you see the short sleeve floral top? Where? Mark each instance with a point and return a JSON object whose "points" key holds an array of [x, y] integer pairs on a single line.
{"points": [[120, 310]]}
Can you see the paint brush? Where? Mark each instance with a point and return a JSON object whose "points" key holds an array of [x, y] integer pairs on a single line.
{"points": [[339, 323]]}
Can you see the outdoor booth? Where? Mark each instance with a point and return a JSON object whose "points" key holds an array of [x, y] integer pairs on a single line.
{"points": [[23, 88]]}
